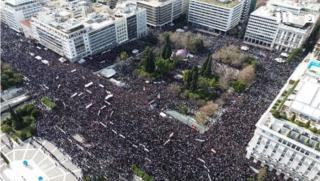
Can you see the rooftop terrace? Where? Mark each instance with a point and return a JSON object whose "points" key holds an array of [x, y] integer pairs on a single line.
{"points": [[222, 3], [90, 15], [299, 102]]}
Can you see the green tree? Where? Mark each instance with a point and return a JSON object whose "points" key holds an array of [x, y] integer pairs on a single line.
{"points": [[164, 66], [187, 76], [195, 45], [262, 174], [17, 121], [6, 128], [86, 178], [124, 55], [206, 67], [239, 86], [166, 50], [9, 78], [148, 60], [194, 79]]}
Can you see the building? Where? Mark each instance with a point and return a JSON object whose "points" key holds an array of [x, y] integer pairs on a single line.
{"points": [[78, 29], [111, 3], [215, 16], [287, 136], [163, 12], [26, 28], [316, 50], [281, 26], [15, 11], [248, 7]]}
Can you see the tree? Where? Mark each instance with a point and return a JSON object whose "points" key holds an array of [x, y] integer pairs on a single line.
{"points": [[86, 178], [194, 79], [195, 45], [262, 174], [9, 78], [17, 121], [229, 55], [124, 55], [148, 60], [166, 50], [247, 74], [239, 86], [164, 66], [206, 67], [187, 76]]}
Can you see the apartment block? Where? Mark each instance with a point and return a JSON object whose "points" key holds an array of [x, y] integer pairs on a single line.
{"points": [[281, 26], [15, 11], [78, 29], [215, 16], [163, 12]]}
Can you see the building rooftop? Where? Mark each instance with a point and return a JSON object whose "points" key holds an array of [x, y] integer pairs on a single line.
{"points": [[306, 100], [295, 113], [222, 3], [80, 14], [299, 6], [299, 101], [17, 2], [154, 3], [302, 21]]}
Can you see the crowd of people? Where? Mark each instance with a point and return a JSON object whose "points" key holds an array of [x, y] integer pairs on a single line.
{"points": [[122, 131]]}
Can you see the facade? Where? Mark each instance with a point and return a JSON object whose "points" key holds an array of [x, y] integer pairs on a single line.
{"points": [[287, 136], [316, 50], [215, 16], [111, 3], [280, 26], [163, 12], [87, 28], [248, 7], [15, 11]]}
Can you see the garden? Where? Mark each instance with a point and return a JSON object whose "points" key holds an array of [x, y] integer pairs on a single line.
{"points": [[21, 123]]}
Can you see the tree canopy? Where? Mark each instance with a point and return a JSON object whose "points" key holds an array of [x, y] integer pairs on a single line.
{"points": [[148, 62], [124, 55], [206, 69], [9, 78], [166, 50]]}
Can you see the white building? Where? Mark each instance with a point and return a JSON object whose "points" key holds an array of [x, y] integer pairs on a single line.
{"points": [[215, 16], [111, 3], [163, 12], [15, 11], [287, 136], [87, 28], [281, 25]]}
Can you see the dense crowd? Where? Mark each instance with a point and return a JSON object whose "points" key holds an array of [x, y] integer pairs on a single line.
{"points": [[122, 131]]}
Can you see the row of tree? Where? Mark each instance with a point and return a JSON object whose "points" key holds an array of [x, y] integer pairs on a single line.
{"points": [[191, 77], [162, 64], [200, 83], [21, 122], [9, 78]]}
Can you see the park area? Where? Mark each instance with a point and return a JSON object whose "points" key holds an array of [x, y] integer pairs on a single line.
{"points": [[193, 74], [21, 122]]}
